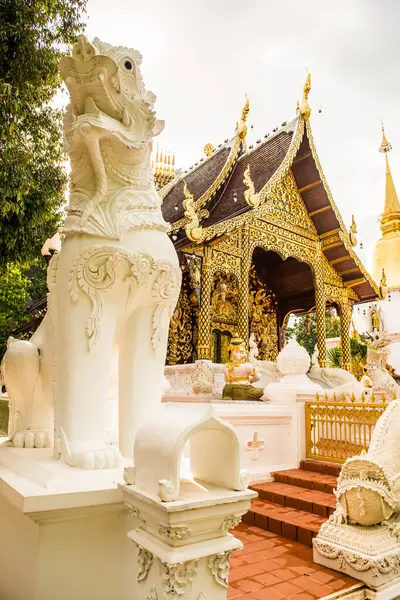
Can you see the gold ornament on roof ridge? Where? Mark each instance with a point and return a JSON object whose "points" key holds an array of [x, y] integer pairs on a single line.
{"points": [[208, 149], [193, 229], [305, 109], [242, 127], [252, 199], [353, 232]]}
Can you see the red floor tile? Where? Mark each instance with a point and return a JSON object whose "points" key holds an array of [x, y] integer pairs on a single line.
{"points": [[276, 568]]}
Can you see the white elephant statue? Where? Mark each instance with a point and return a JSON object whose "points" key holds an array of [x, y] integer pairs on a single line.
{"points": [[115, 282]]}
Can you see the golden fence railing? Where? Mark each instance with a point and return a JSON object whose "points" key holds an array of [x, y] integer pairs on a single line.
{"points": [[337, 430]]}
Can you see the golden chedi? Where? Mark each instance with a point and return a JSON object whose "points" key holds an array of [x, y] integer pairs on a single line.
{"points": [[387, 249], [240, 374]]}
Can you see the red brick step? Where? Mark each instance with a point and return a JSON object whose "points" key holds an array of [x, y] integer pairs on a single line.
{"points": [[297, 502], [319, 503], [293, 524], [307, 479], [320, 466]]}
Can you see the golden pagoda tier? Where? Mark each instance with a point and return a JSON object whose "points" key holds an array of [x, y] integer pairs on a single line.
{"points": [[387, 249]]}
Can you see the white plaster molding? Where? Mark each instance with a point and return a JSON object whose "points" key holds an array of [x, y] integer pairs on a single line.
{"points": [[219, 567], [145, 561], [152, 595], [230, 522], [178, 579], [174, 532]]}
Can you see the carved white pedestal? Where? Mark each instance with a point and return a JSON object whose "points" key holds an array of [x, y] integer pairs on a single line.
{"points": [[369, 554], [182, 522], [63, 530], [183, 547]]}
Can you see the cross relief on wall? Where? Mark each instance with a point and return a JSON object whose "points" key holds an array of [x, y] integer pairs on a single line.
{"points": [[256, 445]]}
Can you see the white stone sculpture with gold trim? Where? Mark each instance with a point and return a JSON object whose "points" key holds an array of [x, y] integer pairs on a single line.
{"points": [[362, 537], [116, 280]]}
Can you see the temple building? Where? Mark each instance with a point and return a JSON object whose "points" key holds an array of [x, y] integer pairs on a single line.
{"points": [[259, 238], [385, 315]]}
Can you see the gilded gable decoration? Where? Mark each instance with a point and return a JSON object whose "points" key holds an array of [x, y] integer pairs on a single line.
{"points": [[252, 199], [193, 229], [285, 202]]}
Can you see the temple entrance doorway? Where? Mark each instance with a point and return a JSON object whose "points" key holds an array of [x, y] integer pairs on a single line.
{"points": [[277, 288]]}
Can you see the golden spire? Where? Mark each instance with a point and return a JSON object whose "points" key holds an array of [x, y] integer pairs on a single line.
{"points": [[305, 109], [241, 129], [392, 204], [387, 248]]}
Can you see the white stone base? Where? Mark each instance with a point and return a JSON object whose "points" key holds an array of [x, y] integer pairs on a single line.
{"points": [[183, 547], [369, 554], [63, 531]]}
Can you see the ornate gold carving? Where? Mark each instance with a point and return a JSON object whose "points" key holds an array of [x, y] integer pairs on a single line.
{"points": [[208, 149], [353, 232], [180, 338], [304, 107], [192, 229], [236, 222], [285, 202], [263, 317], [224, 298], [252, 199], [383, 285]]}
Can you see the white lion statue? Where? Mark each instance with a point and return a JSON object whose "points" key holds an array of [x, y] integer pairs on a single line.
{"points": [[115, 282]]}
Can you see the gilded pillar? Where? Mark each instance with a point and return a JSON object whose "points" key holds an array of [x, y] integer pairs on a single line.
{"points": [[345, 321], [243, 304], [320, 308], [204, 339]]}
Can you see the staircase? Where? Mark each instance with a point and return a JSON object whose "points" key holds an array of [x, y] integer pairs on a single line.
{"points": [[297, 502]]}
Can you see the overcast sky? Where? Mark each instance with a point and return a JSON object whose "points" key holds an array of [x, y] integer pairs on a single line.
{"points": [[200, 57]]}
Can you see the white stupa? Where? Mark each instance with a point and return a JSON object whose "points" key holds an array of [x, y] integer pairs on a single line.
{"points": [[293, 363]]}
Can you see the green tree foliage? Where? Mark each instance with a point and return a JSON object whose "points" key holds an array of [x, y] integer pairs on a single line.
{"points": [[13, 294], [33, 36], [305, 330]]}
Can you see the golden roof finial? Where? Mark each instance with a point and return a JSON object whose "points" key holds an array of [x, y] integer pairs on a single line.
{"points": [[305, 109], [392, 204], [242, 127], [385, 145]]}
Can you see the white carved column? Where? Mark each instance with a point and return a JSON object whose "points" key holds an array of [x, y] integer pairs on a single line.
{"points": [[182, 540]]}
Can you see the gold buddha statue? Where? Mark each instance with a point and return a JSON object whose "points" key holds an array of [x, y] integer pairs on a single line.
{"points": [[240, 374], [375, 320]]}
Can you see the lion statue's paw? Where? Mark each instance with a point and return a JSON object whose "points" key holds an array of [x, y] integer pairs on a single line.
{"points": [[92, 455], [29, 438]]}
